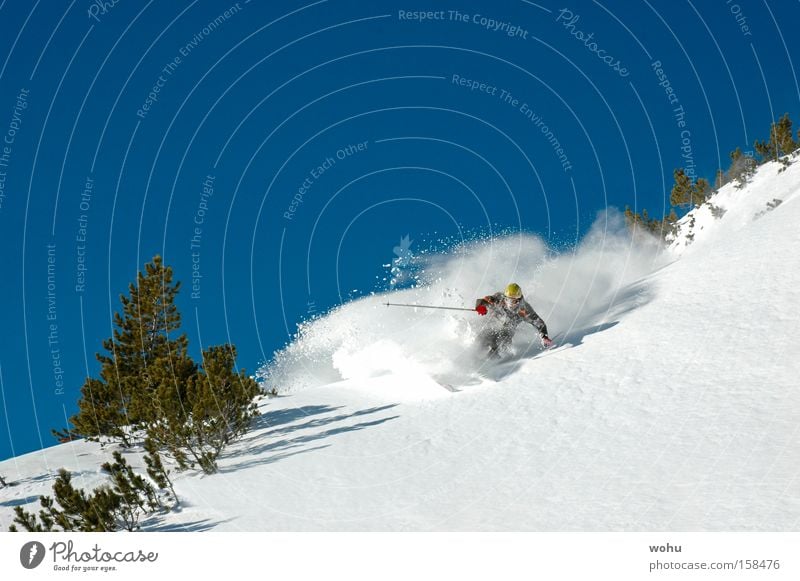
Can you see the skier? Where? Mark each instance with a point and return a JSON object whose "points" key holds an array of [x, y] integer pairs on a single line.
{"points": [[508, 309]]}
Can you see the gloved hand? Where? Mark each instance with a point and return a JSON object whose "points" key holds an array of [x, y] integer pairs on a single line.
{"points": [[481, 309], [547, 341]]}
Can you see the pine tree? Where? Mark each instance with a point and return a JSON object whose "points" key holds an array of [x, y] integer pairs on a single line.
{"points": [[716, 211], [78, 511], [156, 470], [217, 408], [141, 355], [634, 220], [682, 190], [783, 135], [105, 509], [137, 497], [149, 386], [780, 142], [767, 150], [143, 349], [669, 223], [630, 217], [29, 522], [742, 168], [102, 408], [700, 192], [719, 179], [65, 435], [640, 223], [74, 511], [688, 193]]}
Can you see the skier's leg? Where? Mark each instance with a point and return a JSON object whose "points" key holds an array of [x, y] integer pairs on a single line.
{"points": [[504, 338], [494, 347], [489, 340]]}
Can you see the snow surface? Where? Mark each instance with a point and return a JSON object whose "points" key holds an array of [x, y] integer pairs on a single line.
{"points": [[672, 405]]}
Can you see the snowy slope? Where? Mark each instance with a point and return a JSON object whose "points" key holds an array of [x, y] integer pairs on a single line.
{"points": [[675, 405]]}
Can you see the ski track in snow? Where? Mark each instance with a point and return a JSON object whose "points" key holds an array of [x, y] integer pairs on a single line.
{"points": [[675, 405]]}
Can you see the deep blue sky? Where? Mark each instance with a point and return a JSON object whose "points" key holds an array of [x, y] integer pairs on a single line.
{"points": [[273, 90]]}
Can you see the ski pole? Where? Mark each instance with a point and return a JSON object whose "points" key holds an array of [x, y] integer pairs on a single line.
{"points": [[427, 307]]}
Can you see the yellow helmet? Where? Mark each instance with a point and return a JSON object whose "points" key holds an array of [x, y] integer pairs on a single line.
{"points": [[513, 291]]}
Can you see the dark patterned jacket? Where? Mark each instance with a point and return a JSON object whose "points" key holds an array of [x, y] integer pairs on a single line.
{"points": [[512, 317]]}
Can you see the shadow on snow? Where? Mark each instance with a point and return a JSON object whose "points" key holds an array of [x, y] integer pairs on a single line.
{"points": [[277, 433]]}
